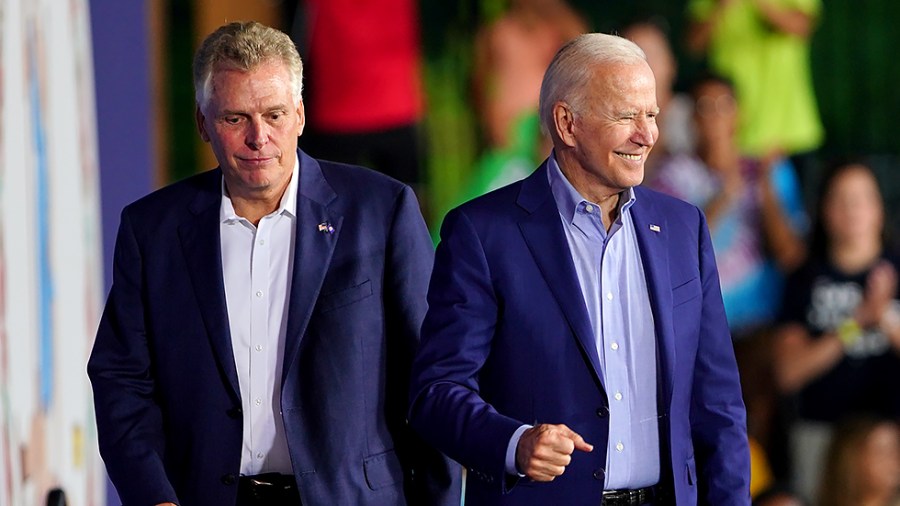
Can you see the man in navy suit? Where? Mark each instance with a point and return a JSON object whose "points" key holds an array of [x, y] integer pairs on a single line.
{"points": [[256, 344], [575, 349]]}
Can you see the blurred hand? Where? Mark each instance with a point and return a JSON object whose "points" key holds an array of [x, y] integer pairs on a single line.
{"points": [[545, 450], [881, 287]]}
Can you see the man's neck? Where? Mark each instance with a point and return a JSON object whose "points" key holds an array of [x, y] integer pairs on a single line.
{"points": [[606, 198], [254, 207]]}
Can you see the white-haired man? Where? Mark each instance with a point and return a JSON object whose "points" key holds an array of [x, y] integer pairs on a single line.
{"points": [[575, 349]]}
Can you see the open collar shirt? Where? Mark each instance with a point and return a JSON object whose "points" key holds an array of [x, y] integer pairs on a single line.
{"points": [[257, 264], [611, 275]]}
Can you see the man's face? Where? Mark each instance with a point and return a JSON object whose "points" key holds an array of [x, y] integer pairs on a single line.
{"points": [[252, 125], [616, 128]]}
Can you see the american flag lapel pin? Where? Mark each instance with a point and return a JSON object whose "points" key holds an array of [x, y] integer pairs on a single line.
{"points": [[326, 228], [654, 228]]}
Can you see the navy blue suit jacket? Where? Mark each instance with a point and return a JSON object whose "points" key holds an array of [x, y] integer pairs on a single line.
{"points": [[507, 341], [163, 373]]}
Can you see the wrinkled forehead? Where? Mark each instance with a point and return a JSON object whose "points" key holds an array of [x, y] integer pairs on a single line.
{"points": [[623, 85]]}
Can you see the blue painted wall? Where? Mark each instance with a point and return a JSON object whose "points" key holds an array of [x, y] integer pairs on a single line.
{"points": [[120, 33]]}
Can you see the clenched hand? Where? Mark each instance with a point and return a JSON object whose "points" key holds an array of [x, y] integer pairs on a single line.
{"points": [[545, 450]]}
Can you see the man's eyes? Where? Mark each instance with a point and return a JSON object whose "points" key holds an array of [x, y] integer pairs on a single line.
{"points": [[234, 120]]}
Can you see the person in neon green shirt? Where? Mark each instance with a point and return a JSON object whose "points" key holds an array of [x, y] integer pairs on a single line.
{"points": [[763, 47]]}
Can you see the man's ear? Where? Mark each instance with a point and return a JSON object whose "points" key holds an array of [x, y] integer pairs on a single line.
{"points": [[301, 113], [200, 118], [564, 123]]}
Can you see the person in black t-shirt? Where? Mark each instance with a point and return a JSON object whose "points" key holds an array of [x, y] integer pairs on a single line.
{"points": [[838, 348]]}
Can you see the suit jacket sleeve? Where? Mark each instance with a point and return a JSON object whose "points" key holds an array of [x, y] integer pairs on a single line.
{"points": [[129, 421], [431, 477], [456, 341], [718, 416]]}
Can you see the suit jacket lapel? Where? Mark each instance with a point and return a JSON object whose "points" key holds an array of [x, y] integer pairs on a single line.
{"points": [[200, 242], [547, 243], [652, 235], [313, 249]]}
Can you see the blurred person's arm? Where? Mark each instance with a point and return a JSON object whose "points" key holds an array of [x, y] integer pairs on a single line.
{"points": [[784, 243], [702, 25], [727, 196], [787, 20], [481, 76], [798, 359], [879, 309]]}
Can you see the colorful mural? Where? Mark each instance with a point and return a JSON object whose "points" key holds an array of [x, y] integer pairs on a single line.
{"points": [[50, 258]]}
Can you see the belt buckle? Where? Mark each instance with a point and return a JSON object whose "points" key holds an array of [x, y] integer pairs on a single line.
{"points": [[626, 497], [263, 480]]}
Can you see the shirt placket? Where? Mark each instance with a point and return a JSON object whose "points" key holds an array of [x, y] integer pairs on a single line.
{"points": [[613, 344], [259, 340]]}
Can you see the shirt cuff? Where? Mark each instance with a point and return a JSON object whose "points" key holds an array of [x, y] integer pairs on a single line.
{"points": [[511, 467]]}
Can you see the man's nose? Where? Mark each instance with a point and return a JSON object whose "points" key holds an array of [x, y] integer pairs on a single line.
{"points": [[646, 132], [257, 134]]}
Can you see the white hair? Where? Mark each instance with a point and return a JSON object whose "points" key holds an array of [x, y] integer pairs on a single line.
{"points": [[572, 67]]}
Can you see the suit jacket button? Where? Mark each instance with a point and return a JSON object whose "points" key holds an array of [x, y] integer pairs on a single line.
{"points": [[602, 411], [228, 479], [599, 474], [235, 413]]}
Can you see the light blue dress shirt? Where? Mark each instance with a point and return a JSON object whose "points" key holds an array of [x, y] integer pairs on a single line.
{"points": [[611, 275]]}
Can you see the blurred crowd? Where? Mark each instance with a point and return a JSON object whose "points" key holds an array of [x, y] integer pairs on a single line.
{"points": [[808, 271]]}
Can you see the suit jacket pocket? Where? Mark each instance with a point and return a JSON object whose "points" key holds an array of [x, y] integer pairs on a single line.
{"points": [[341, 298], [382, 470], [686, 292]]}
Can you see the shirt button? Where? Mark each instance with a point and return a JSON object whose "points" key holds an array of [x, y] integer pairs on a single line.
{"points": [[258, 401], [619, 447], [608, 295], [258, 347], [259, 293], [618, 396], [614, 346], [260, 455], [588, 208], [262, 242]]}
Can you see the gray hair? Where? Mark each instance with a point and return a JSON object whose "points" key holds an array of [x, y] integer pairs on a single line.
{"points": [[572, 68], [244, 46]]}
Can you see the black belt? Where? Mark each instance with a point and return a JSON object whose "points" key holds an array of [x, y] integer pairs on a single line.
{"points": [[270, 489], [654, 495]]}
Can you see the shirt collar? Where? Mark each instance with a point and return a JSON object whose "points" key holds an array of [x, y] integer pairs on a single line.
{"points": [[568, 200], [287, 206]]}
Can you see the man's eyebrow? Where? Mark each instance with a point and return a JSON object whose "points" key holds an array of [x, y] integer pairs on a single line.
{"points": [[241, 112]]}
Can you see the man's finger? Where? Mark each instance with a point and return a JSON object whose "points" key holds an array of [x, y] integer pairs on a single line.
{"points": [[580, 443]]}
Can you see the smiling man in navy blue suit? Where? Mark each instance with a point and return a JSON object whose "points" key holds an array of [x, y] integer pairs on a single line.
{"points": [[575, 348], [256, 344]]}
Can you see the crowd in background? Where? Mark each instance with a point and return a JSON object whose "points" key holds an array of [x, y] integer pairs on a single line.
{"points": [[808, 273]]}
